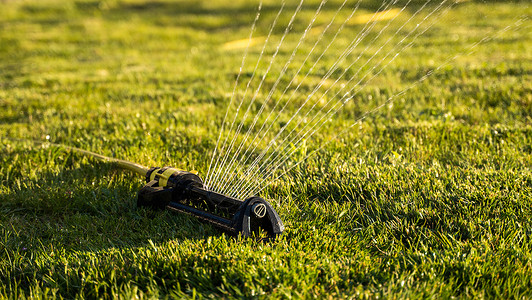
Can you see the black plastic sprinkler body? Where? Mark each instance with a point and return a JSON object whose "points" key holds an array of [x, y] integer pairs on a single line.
{"points": [[183, 191]]}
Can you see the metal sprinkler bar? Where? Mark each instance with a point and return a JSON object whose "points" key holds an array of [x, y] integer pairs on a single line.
{"points": [[182, 191]]}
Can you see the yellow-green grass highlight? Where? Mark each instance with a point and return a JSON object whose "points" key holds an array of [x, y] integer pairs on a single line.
{"points": [[428, 197]]}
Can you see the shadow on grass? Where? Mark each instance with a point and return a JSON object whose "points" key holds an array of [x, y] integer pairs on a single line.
{"points": [[208, 17], [88, 208], [61, 230], [240, 16]]}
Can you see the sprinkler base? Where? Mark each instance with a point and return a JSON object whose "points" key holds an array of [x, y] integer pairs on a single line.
{"points": [[183, 192]]}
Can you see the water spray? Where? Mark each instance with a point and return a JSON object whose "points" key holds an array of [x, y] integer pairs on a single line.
{"points": [[183, 191]]}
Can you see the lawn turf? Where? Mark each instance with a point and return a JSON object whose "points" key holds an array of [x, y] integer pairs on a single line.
{"points": [[430, 196]]}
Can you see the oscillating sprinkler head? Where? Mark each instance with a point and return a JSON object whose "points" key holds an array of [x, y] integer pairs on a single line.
{"points": [[183, 191]]}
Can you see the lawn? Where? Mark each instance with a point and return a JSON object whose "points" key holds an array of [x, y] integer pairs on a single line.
{"points": [[430, 195]]}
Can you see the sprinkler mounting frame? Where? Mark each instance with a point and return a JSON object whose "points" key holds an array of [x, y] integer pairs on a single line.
{"points": [[182, 191]]}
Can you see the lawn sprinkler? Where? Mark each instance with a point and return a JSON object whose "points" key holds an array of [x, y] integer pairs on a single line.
{"points": [[183, 191]]}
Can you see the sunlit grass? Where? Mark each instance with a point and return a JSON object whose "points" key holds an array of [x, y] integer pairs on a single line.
{"points": [[430, 196]]}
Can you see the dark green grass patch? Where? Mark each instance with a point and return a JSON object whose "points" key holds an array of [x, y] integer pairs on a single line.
{"points": [[429, 196]]}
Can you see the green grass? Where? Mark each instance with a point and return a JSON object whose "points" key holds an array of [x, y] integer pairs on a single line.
{"points": [[428, 197]]}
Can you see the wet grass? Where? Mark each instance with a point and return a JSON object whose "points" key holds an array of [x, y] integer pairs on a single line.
{"points": [[428, 197]]}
